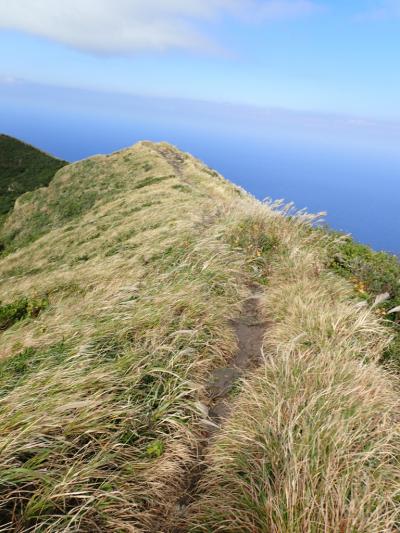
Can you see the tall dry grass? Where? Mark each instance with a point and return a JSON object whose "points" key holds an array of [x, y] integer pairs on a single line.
{"points": [[102, 395], [313, 441]]}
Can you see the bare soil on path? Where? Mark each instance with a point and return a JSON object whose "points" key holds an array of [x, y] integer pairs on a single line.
{"points": [[250, 329]]}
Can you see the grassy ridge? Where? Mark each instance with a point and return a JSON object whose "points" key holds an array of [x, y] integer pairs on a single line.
{"points": [[102, 422], [22, 168], [103, 399]]}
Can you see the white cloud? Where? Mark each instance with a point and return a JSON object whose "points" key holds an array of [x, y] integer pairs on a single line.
{"points": [[124, 26]]}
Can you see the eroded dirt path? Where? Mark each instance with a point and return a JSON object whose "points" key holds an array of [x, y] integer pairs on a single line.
{"points": [[250, 329], [173, 157]]}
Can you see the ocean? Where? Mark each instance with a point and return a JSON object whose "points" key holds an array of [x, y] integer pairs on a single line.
{"points": [[356, 181]]}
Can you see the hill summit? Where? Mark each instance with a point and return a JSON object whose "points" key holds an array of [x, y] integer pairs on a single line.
{"points": [[178, 356]]}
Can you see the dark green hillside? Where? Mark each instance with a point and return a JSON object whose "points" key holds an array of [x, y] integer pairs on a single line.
{"points": [[22, 168]]}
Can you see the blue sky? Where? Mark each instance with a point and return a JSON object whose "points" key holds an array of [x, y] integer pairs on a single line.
{"points": [[329, 56]]}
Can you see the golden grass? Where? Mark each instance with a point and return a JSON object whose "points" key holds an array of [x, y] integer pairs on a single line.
{"points": [[102, 394], [313, 441], [99, 429]]}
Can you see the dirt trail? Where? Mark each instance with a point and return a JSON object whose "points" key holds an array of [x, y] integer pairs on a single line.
{"points": [[173, 157], [250, 329]]}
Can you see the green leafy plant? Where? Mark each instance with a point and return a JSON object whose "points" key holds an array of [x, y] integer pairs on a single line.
{"points": [[373, 275], [155, 449], [20, 309]]}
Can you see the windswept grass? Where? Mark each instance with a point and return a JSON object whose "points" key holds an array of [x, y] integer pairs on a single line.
{"points": [[313, 441], [143, 257], [101, 440], [101, 395]]}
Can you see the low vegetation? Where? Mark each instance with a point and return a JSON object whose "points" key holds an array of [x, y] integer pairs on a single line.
{"points": [[20, 309], [22, 168], [313, 441], [375, 277], [144, 256]]}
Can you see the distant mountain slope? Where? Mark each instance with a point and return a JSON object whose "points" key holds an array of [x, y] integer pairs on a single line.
{"points": [[176, 356], [22, 168]]}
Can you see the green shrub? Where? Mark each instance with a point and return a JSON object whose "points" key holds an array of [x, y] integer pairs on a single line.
{"points": [[155, 449], [372, 273], [20, 309]]}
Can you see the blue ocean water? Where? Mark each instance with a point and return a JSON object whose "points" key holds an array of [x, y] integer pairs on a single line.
{"points": [[356, 183]]}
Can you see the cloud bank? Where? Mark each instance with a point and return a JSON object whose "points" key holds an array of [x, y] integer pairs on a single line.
{"points": [[127, 26]]}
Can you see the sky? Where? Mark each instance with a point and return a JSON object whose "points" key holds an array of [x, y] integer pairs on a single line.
{"points": [[320, 56]]}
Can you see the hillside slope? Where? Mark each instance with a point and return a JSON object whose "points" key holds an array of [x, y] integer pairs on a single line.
{"points": [[22, 168], [177, 356]]}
